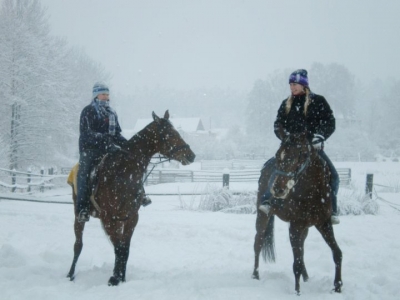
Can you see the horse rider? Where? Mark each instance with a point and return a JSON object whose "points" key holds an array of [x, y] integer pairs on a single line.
{"points": [[304, 111], [100, 133]]}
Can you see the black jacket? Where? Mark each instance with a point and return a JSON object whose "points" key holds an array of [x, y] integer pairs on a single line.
{"points": [[94, 131], [319, 118]]}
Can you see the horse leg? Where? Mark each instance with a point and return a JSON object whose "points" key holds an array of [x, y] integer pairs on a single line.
{"points": [[78, 228], [304, 273], [297, 236], [121, 239], [264, 229], [327, 233]]}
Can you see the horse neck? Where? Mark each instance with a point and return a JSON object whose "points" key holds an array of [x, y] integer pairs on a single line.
{"points": [[143, 146]]}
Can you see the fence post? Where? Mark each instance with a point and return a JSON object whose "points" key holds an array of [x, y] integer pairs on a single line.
{"points": [[29, 179], [369, 184], [42, 185], [50, 172], [13, 180], [192, 176], [225, 179]]}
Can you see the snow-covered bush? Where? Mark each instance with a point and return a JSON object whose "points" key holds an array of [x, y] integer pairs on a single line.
{"points": [[353, 202], [224, 200]]}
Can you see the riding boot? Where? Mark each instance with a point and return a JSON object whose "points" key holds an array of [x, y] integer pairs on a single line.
{"points": [[146, 200]]}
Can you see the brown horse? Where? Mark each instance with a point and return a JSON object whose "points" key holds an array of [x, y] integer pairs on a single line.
{"points": [[297, 181], [119, 193]]}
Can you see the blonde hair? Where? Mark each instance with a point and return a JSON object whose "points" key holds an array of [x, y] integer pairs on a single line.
{"points": [[289, 102]]}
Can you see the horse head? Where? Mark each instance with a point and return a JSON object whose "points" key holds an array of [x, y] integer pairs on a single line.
{"points": [[169, 142], [292, 159]]}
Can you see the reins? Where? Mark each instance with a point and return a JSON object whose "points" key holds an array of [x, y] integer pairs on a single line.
{"points": [[295, 175]]}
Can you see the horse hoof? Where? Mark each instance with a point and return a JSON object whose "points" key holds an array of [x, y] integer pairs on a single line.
{"points": [[71, 277], [113, 281], [338, 287], [255, 276]]}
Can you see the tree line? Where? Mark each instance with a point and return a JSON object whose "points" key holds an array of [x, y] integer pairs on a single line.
{"points": [[42, 82]]}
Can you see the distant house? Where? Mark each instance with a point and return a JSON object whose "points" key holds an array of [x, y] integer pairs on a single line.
{"points": [[186, 125]]}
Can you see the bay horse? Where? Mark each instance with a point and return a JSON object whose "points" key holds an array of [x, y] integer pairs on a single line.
{"points": [[119, 193], [297, 181]]}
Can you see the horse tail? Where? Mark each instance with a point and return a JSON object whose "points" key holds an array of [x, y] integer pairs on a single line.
{"points": [[268, 246]]}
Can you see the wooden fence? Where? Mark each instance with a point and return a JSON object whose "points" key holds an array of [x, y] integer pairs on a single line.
{"points": [[26, 181], [250, 175], [212, 171]]}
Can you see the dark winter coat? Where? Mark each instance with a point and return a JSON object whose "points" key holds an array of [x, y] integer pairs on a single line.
{"points": [[319, 118], [94, 131]]}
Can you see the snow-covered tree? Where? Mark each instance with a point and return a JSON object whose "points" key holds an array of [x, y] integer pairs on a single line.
{"points": [[42, 83]]}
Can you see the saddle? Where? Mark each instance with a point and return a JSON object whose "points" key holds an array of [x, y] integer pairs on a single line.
{"points": [[93, 184], [93, 178]]}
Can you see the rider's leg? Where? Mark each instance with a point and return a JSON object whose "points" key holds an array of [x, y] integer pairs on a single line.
{"points": [[265, 205], [86, 161], [334, 183]]}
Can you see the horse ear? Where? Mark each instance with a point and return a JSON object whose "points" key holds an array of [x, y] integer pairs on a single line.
{"points": [[166, 115], [155, 117]]}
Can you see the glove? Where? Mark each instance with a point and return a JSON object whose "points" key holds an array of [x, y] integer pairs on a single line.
{"points": [[318, 141], [113, 148]]}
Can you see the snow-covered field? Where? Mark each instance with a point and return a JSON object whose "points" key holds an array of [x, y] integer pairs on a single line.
{"points": [[182, 254]]}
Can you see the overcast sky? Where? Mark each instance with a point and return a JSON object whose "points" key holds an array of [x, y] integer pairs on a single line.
{"points": [[229, 43]]}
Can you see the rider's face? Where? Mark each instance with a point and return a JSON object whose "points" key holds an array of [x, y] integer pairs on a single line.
{"points": [[297, 89], [103, 97]]}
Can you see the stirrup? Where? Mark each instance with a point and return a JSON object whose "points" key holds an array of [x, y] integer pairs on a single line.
{"points": [[335, 220], [83, 216], [146, 201], [265, 208]]}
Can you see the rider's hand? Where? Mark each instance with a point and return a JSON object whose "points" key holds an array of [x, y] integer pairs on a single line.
{"points": [[113, 148], [317, 141]]}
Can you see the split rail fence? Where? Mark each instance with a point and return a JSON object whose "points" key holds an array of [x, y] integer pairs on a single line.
{"points": [[214, 171], [211, 171]]}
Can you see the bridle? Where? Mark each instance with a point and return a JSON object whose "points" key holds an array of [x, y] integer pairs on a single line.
{"points": [[160, 131], [295, 175], [169, 153]]}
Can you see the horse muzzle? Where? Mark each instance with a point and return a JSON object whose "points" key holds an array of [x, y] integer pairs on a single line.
{"points": [[281, 190]]}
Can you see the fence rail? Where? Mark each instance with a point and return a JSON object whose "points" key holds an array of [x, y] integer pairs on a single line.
{"points": [[212, 171], [250, 175], [17, 180]]}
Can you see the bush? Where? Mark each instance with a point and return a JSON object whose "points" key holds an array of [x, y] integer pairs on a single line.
{"points": [[352, 202], [222, 199]]}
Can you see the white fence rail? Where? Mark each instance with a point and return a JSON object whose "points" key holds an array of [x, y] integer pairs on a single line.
{"points": [[246, 175], [26, 181]]}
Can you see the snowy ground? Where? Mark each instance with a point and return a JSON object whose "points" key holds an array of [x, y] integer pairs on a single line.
{"points": [[181, 254]]}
